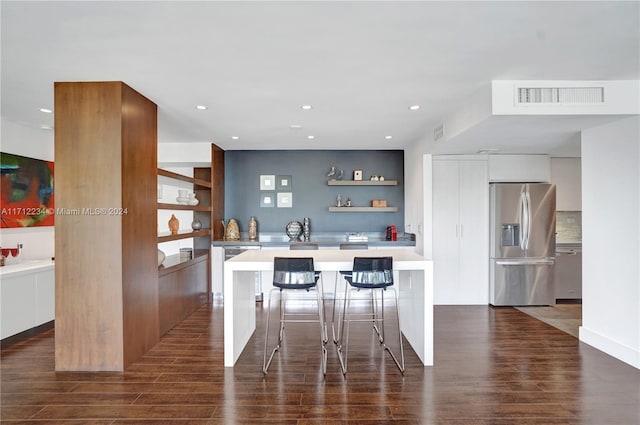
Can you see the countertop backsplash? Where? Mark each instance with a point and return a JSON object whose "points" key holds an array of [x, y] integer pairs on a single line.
{"points": [[568, 227]]}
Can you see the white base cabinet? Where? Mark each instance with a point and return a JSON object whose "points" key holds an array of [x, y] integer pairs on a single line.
{"points": [[460, 231], [27, 296]]}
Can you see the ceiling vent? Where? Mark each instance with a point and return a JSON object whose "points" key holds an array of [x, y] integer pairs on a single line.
{"points": [[438, 132], [560, 95]]}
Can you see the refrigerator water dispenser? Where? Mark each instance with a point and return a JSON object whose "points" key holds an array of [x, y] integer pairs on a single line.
{"points": [[510, 234]]}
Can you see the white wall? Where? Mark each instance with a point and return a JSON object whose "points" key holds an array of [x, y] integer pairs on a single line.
{"points": [[38, 242], [417, 196], [611, 239]]}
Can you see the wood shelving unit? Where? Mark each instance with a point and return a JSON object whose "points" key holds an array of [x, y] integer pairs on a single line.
{"points": [[182, 207], [183, 235], [175, 179]]}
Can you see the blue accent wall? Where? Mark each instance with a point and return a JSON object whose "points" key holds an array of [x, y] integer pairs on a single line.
{"points": [[311, 195]]}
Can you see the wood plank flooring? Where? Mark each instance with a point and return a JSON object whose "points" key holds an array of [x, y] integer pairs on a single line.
{"points": [[493, 366]]}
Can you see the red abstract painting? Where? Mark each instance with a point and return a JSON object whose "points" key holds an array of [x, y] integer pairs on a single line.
{"points": [[26, 192]]}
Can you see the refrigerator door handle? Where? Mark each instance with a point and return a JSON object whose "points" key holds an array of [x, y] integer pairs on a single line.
{"points": [[529, 218], [521, 215], [528, 262]]}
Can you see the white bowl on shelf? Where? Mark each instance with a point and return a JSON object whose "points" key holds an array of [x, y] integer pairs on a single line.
{"points": [[182, 200]]}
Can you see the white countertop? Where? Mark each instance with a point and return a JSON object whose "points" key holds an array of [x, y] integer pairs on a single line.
{"points": [[26, 267]]}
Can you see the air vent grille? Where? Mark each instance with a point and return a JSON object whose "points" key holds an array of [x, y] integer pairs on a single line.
{"points": [[569, 95], [438, 132]]}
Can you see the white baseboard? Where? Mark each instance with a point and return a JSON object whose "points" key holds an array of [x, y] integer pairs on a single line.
{"points": [[613, 348]]}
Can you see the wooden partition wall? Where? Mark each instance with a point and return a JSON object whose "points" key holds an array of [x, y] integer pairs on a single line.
{"points": [[105, 230]]}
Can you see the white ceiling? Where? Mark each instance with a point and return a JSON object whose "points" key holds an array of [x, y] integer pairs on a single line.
{"points": [[359, 64]]}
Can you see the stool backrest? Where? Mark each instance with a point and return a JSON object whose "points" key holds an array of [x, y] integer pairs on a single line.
{"points": [[372, 271], [294, 272]]}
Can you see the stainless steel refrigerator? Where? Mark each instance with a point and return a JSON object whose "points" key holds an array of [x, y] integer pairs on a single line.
{"points": [[523, 225]]}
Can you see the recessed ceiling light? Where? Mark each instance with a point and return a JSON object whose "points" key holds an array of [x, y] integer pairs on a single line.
{"points": [[306, 107], [235, 137], [45, 110], [388, 137], [295, 126], [311, 137], [414, 107], [201, 107]]}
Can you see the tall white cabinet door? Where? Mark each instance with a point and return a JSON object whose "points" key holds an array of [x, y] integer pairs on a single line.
{"points": [[474, 233], [460, 231], [445, 231]]}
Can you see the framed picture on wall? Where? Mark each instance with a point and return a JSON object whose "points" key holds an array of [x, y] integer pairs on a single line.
{"points": [[283, 183], [357, 174], [268, 200], [285, 199], [267, 182]]}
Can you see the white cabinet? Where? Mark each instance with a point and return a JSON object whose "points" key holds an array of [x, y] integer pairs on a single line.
{"points": [[460, 231], [566, 174], [519, 168], [27, 296]]}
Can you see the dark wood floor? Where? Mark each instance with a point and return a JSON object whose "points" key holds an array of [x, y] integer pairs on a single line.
{"points": [[493, 366]]}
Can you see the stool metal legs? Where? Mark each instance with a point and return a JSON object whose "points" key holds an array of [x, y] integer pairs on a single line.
{"points": [[282, 309], [345, 317]]}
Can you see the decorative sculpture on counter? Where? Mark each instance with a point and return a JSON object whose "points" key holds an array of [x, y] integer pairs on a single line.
{"points": [[253, 229], [231, 230], [306, 228], [294, 230], [174, 225]]}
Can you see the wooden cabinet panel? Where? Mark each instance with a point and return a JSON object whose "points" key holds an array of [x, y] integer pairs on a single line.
{"points": [[181, 291], [106, 261]]}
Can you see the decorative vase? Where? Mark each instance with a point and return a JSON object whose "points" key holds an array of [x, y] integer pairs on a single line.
{"points": [[196, 224], [253, 229], [174, 225], [161, 257], [183, 196], [192, 200], [232, 231]]}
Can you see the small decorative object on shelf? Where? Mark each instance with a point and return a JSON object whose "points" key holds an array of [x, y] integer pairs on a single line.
{"points": [[306, 228], [294, 230], [381, 178], [161, 257], [348, 203], [196, 224], [183, 196], [340, 175], [253, 229], [232, 231], [332, 172], [357, 174], [192, 200], [186, 254], [174, 224], [379, 203], [375, 178], [339, 200]]}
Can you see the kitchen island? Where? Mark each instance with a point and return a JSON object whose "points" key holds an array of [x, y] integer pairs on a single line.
{"points": [[415, 289]]}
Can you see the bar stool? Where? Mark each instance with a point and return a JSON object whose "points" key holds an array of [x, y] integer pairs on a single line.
{"points": [[340, 276], [291, 275], [375, 274]]}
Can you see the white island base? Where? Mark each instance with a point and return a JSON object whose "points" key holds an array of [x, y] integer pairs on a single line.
{"points": [[415, 286]]}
